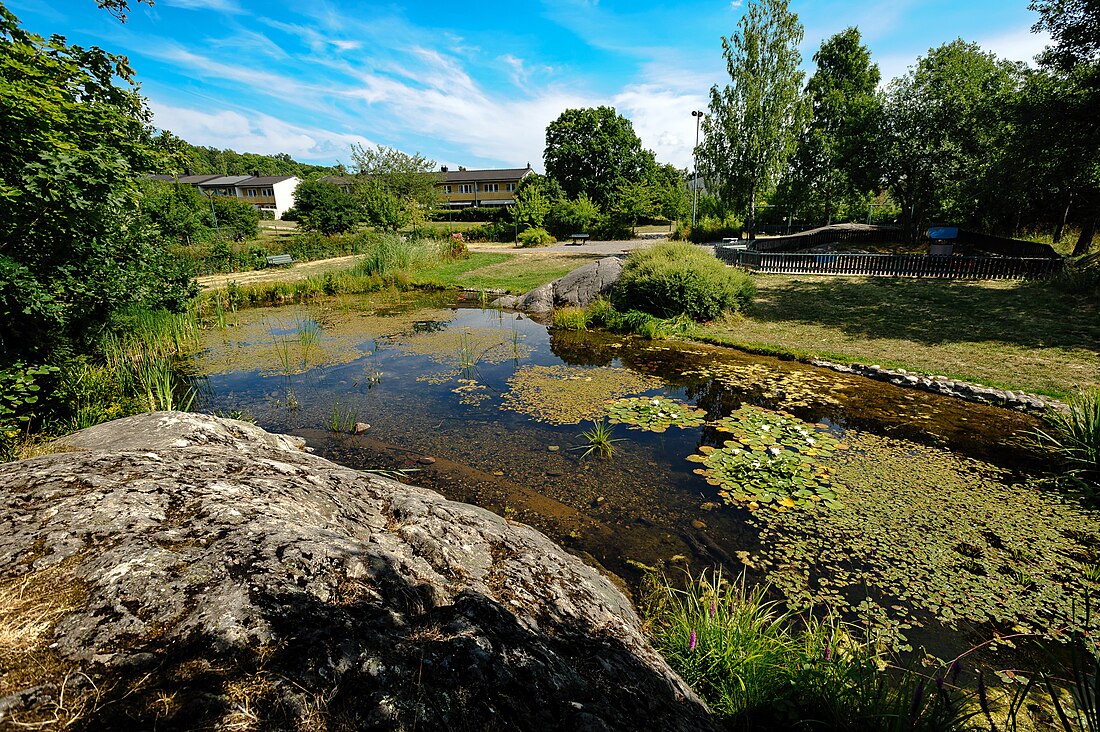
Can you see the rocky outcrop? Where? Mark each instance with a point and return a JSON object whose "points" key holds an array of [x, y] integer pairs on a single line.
{"points": [[181, 571], [579, 288]]}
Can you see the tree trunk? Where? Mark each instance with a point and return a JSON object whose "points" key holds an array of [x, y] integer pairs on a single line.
{"points": [[1060, 229], [1084, 242], [751, 224]]}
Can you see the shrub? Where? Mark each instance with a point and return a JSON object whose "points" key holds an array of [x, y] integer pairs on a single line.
{"points": [[671, 279], [455, 247], [538, 237], [494, 231]]}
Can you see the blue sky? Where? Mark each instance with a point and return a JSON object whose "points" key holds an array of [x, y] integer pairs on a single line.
{"points": [[470, 83]]}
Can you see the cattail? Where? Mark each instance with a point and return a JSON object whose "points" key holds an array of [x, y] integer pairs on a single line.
{"points": [[918, 697], [956, 669]]}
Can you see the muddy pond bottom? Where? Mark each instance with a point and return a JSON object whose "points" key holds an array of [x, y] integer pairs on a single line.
{"points": [[917, 514]]}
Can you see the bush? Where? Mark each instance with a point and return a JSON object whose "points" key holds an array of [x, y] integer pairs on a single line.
{"points": [[496, 231], [535, 238], [710, 229], [668, 280]]}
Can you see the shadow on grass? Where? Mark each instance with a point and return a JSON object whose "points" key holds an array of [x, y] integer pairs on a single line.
{"points": [[934, 312]]}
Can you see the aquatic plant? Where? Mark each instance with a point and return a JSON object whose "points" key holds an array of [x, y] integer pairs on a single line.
{"points": [[343, 418], [570, 318], [599, 440], [471, 392], [773, 460], [787, 388], [760, 666], [655, 414], [462, 350], [1075, 436], [926, 532], [571, 395]]}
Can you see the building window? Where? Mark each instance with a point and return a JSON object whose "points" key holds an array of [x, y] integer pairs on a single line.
{"points": [[252, 192], [466, 188], [446, 189], [510, 187], [491, 187], [268, 192]]}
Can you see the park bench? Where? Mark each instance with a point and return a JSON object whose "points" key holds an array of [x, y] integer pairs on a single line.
{"points": [[279, 260], [578, 238]]}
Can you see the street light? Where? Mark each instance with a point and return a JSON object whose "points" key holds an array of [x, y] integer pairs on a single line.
{"points": [[695, 175]]}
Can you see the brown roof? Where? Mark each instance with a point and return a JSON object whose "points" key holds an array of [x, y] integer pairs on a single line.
{"points": [[264, 180], [470, 176]]}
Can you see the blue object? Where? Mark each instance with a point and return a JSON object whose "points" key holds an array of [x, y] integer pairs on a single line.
{"points": [[943, 232]]}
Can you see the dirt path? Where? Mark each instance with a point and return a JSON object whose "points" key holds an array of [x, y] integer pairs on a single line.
{"points": [[304, 270]]}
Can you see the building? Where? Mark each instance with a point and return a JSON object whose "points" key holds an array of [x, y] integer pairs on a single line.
{"points": [[273, 193], [464, 188]]}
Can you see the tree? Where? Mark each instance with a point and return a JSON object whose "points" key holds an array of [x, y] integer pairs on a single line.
{"points": [[1075, 27], [176, 209], [235, 218], [754, 122], [326, 207], [593, 152], [395, 188], [833, 162], [535, 197], [74, 249], [942, 133]]}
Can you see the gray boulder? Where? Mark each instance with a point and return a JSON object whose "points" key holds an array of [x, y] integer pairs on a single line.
{"points": [[179, 571], [579, 288]]}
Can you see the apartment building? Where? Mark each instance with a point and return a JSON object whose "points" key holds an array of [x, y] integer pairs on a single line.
{"points": [[463, 188], [273, 193]]}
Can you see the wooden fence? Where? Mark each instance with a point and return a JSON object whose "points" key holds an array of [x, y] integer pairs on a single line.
{"points": [[892, 265]]}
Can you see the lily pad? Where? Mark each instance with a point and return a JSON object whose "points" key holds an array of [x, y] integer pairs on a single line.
{"points": [[655, 414]]}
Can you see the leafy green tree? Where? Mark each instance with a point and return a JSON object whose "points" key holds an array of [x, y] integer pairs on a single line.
{"points": [[1074, 25], [176, 209], [575, 216], [235, 218], [396, 189], [834, 160], [326, 207], [535, 197], [593, 152], [942, 130], [73, 248], [754, 122], [634, 201]]}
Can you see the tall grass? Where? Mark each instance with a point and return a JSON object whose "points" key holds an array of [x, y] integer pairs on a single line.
{"points": [[1075, 436], [759, 666], [390, 255]]}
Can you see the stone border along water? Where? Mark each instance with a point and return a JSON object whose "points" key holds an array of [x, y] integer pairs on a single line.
{"points": [[1017, 400]]}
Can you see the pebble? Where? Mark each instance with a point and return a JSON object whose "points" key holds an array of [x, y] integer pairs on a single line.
{"points": [[553, 448], [697, 524], [427, 460], [498, 472], [360, 428]]}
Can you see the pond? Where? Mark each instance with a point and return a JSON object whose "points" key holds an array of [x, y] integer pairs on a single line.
{"points": [[909, 511]]}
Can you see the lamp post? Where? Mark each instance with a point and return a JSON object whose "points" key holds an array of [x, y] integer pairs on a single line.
{"points": [[695, 160]]}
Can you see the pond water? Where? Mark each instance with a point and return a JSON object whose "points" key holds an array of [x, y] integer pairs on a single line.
{"points": [[914, 512]]}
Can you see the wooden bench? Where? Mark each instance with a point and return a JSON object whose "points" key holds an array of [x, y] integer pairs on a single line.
{"points": [[578, 238], [279, 260]]}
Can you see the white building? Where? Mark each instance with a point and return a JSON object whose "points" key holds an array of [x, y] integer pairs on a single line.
{"points": [[273, 193]]}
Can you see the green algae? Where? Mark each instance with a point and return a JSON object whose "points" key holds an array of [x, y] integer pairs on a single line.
{"points": [[794, 388], [571, 395]]}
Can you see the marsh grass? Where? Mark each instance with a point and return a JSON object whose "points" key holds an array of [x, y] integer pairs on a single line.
{"points": [[599, 440], [342, 418], [571, 318], [759, 666], [1075, 436]]}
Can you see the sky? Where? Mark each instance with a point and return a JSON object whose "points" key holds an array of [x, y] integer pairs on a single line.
{"points": [[471, 83]]}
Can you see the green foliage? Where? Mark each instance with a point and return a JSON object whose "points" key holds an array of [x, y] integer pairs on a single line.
{"points": [[177, 210], [673, 279], [396, 189], [535, 238], [655, 414], [753, 123], [574, 216], [760, 667], [235, 218], [1074, 25], [389, 255], [599, 440], [593, 152], [74, 247], [20, 391], [771, 461], [326, 207], [570, 318], [535, 196], [178, 156], [1075, 436]]}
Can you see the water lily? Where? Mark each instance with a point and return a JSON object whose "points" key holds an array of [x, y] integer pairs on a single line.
{"points": [[765, 428], [811, 441], [774, 450]]}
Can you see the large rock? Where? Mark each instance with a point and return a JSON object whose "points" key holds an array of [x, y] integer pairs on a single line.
{"points": [[179, 571], [579, 288]]}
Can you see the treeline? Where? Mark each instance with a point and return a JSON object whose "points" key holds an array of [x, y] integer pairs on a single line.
{"points": [[181, 157], [962, 138]]}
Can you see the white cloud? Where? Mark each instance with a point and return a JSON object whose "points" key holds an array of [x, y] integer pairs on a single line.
{"points": [[253, 132], [221, 6], [1016, 45]]}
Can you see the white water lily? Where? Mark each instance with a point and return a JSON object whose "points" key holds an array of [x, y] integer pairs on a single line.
{"points": [[655, 402], [766, 428], [774, 450], [811, 441], [755, 464]]}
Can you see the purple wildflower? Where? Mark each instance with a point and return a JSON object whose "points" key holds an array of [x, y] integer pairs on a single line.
{"points": [[956, 669], [828, 652], [713, 609], [691, 642], [918, 698]]}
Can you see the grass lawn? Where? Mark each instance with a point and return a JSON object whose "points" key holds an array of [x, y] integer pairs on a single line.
{"points": [[515, 273], [1008, 334]]}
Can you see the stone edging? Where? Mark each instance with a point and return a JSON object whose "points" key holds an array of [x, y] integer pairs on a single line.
{"points": [[1017, 400]]}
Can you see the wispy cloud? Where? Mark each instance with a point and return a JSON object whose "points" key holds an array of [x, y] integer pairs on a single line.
{"points": [[221, 6]]}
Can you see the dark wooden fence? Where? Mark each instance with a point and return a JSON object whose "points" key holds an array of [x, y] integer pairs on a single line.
{"points": [[845, 234], [892, 265]]}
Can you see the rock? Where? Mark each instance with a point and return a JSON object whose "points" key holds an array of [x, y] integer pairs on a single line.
{"points": [[697, 524], [553, 448], [233, 580], [579, 288], [360, 428], [508, 301], [427, 460]]}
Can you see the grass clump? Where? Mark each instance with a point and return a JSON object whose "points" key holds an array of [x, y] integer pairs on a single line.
{"points": [[571, 318], [599, 440], [760, 667], [1075, 436], [674, 279]]}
